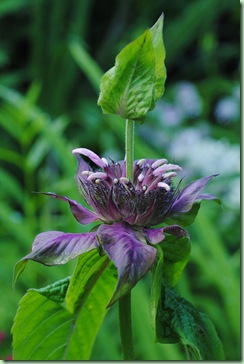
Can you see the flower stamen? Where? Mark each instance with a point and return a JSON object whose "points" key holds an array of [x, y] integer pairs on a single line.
{"points": [[140, 177], [169, 175], [105, 161], [163, 185], [165, 168], [141, 162], [99, 175], [86, 173], [159, 162], [124, 180]]}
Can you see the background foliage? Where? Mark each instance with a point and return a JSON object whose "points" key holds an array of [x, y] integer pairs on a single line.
{"points": [[52, 55]]}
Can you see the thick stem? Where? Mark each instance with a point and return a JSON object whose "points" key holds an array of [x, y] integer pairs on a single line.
{"points": [[125, 301]]}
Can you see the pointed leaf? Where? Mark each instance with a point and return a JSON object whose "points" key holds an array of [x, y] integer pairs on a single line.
{"points": [[56, 247], [176, 251], [179, 321], [18, 269], [81, 214], [55, 292], [156, 286], [190, 194], [186, 218], [89, 268], [44, 330], [159, 52], [127, 88]]}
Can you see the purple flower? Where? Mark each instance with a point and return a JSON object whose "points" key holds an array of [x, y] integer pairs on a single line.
{"points": [[127, 210]]}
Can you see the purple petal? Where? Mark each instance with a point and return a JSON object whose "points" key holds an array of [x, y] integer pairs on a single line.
{"points": [[130, 254], [92, 156], [207, 196], [189, 195], [81, 214], [155, 236], [56, 247]]}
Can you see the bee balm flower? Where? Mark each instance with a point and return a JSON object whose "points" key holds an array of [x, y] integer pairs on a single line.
{"points": [[127, 210]]}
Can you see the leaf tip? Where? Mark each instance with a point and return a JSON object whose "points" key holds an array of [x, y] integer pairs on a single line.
{"points": [[18, 269]]}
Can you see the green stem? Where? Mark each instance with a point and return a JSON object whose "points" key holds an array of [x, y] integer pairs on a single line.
{"points": [[125, 301], [126, 327], [129, 148]]}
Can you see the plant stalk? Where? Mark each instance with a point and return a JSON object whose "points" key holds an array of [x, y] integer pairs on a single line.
{"points": [[125, 301], [126, 327], [129, 148]]}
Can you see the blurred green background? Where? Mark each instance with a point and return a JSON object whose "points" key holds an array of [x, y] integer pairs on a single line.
{"points": [[52, 56]]}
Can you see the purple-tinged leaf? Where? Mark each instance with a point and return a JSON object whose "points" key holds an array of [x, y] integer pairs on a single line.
{"points": [[177, 231], [81, 214], [155, 236], [190, 194], [185, 219], [130, 254], [56, 247]]}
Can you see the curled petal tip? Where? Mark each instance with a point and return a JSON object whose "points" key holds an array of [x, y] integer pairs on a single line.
{"points": [[77, 151], [92, 156]]}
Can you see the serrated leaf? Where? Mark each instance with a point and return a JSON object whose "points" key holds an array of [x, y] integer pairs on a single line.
{"points": [[44, 330], [179, 321], [132, 87], [176, 254], [55, 292]]}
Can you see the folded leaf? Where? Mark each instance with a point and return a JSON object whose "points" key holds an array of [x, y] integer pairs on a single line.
{"points": [[132, 87], [179, 321]]}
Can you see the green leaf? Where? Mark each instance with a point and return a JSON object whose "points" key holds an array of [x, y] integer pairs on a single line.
{"points": [[55, 292], [44, 330], [176, 254], [156, 286], [132, 87], [159, 53], [185, 219], [89, 268], [18, 269], [179, 321]]}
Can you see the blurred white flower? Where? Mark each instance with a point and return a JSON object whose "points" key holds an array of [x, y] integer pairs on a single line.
{"points": [[227, 110], [188, 100], [232, 198], [200, 155], [204, 155], [169, 114]]}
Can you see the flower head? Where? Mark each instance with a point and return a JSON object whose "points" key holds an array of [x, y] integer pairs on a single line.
{"points": [[127, 209]]}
